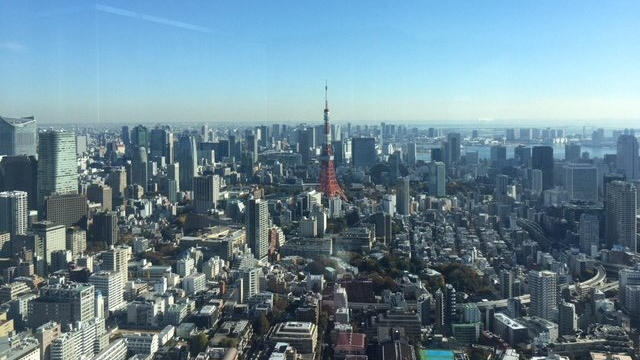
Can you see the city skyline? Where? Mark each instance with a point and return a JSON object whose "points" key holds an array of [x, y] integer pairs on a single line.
{"points": [[537, 63]]}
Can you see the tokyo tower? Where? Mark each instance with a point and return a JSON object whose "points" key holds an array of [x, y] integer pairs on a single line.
{"points": [[328, 182]]}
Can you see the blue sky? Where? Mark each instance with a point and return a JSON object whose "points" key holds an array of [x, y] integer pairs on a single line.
{"points": [[539, 62]]}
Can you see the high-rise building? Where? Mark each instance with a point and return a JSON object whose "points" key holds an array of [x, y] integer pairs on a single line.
{"points": [[620, 214], [67, 209], [63, 303], [506, 284], [522, 155], [452, 148], [159, 144], [18, 136], [117, 179], [205, 192], [384, 227], [567, 319], [111, 287], [140, 137], [14, 212], [187, 157], [50, 237], [412, 153], [542, 159], [57, 168], [627, 156], [403, 204], [437, 179], [140, 167], [498, 156], [542, 286], [589, 234], [20, 172], [258, 227], [76, 241], [126, 135], [572, 152], [581, 182], [173, 173], [105, 227], [363, 151], [102, 194], [116, 259]]}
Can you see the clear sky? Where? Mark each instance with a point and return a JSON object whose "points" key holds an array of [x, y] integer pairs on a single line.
{"points": [[503, 62]]}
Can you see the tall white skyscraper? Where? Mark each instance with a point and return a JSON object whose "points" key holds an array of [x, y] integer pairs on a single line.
{"points": [[627, 156], [57, 168], [542, 286], [258, 227], [13, 212], [620, 215]]}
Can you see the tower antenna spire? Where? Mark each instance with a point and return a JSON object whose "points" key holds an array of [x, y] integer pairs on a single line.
{"points": [[326, 102]]}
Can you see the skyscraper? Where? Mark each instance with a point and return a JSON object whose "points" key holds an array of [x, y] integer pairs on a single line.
{"points": [[363, 152], [542, 286], [452, 148], [620, 214], [589, 233], [67, 210], [20, 173], [572, 152], [140, 168], [403, 204], [57, 168], [412, 153], [581, 182], [205, 192], [437, 179], [105, 227], [187, 157], [17, 136], [140, 136], [13, 212], [258, 227], [627, 156], [542, 159], [51, 237]]}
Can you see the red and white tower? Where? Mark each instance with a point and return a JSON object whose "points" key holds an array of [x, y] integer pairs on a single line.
{"points": [[328, 181]]}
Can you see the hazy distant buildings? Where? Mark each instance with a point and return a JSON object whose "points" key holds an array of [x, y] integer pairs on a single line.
{"points": [[18, 136], [572, 152]]}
